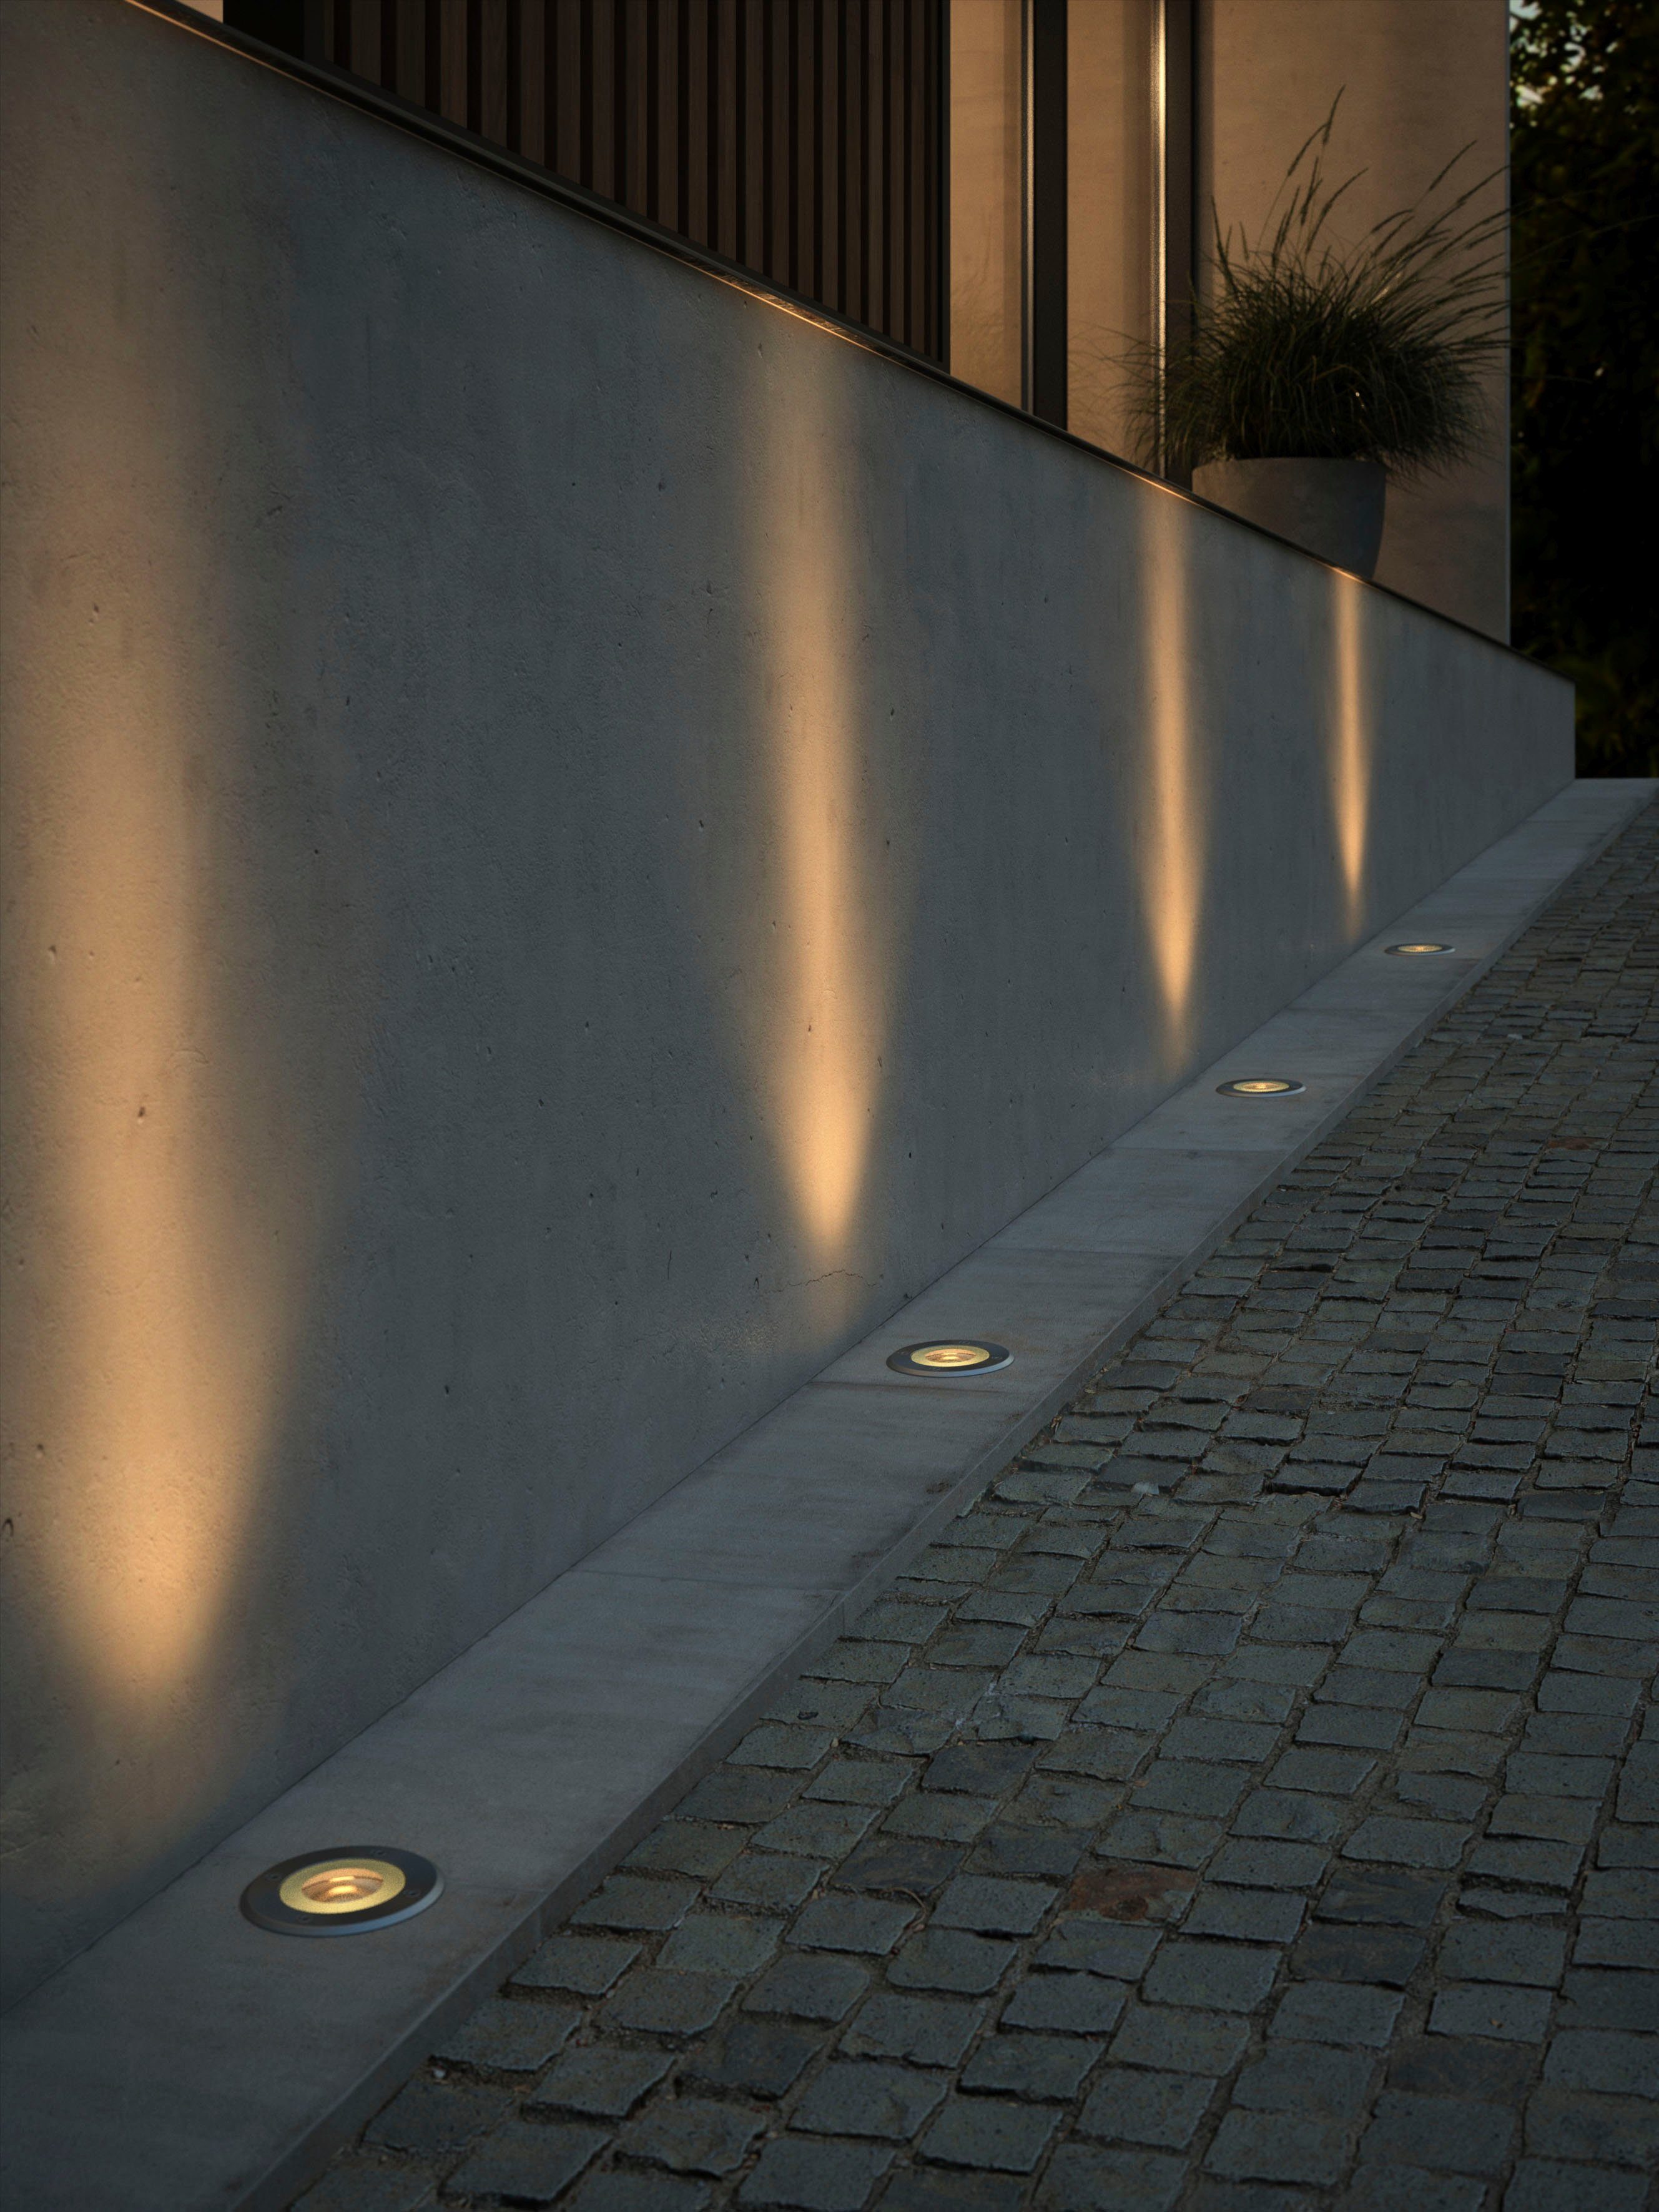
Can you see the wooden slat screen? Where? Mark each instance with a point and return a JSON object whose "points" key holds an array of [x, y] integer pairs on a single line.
{"points": [[803, 139]]}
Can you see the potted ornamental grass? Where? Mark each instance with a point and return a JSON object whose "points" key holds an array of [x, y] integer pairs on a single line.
{"points": [[1316, 371]]}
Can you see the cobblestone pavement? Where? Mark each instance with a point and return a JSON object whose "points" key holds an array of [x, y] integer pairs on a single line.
{"points": [[1250, 1804]]}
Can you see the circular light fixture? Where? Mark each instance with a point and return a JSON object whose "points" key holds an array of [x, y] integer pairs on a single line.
{"points": [[950, 1358], [1419, 948], [1261, 1086], [341, 1893]]}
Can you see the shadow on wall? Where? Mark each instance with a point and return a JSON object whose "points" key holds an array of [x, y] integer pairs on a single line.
{"points": [[170, 1084]]}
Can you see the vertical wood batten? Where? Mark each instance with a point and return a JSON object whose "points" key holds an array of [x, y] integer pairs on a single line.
{"points": [[475, 39], [803, 139], [832, 146]]}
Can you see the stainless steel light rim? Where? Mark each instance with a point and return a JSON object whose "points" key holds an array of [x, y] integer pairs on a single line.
{"points": [[262, 1901], [1417, 950], [910, 1359], [1252, 1086]]}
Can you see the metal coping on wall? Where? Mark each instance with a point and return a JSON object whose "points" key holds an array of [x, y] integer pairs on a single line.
{"points": [[356, 92]]}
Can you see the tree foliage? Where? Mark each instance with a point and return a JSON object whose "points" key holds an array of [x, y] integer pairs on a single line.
{"points": [[1585, 184]]}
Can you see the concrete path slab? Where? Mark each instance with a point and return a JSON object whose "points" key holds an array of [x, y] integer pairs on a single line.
{"points": [[188, 2061]]}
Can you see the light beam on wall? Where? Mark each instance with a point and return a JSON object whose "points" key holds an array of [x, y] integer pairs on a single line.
{"points": [[166, 1274], [1172, 872], [163, 1191], [1351, 745], [822, 1026]]}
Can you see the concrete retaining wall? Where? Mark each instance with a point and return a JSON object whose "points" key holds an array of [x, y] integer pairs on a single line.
{"points": [[573, 839]]}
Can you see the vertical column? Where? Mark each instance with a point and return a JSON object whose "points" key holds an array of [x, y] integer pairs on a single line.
{"points": [[1172, 239], [1048, 193], [986, 279], [1108, 68]]}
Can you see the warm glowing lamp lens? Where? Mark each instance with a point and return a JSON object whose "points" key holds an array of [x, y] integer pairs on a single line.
{"points": [[342, 1885], [346, 1891], [1419, 948], [950, 1358], [348, 1886]]}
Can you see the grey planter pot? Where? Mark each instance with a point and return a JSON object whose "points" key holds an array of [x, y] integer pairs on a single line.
{"points": [[1332, 509]]}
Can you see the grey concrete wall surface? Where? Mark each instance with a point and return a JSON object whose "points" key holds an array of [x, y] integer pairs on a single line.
{"points": [[573, 839]]}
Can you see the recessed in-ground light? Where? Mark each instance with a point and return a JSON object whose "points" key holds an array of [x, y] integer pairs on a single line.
{"points": [[343, 1892], [1261, 1086], [954, 1356], [1419, 948]]}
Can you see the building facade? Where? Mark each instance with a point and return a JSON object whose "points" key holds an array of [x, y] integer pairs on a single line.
{"points": [[1020, 189]]}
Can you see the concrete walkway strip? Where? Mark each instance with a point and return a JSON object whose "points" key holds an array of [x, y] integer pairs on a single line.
{"points": [[189, 2060]]}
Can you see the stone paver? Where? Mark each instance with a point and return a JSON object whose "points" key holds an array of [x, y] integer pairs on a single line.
{"points": [[1283, 1833]]}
